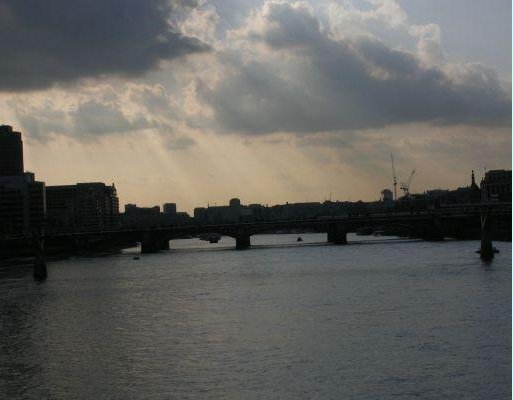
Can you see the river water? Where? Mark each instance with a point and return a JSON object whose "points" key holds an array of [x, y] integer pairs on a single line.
{"points": [[282, 320]]}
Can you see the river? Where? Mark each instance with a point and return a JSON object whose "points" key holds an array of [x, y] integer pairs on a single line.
{"points": [[376, 319]]}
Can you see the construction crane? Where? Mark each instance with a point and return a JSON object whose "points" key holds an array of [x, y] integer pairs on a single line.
{"points": [[405, 187], [394, 176]]}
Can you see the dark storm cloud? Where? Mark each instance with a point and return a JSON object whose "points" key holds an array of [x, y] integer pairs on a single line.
{"points": [[310, 81], [60, 41]]}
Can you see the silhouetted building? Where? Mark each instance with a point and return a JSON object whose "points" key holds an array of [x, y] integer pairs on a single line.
{"points": [[169, 209], [135, 209], [234, 202], [387, 196], [436, 198], [201, 215], [463, 195], [82, 207], [150, 217], [22, 199], [11, 152], [141, 217], [22, 205], [234, 212], [62, 208], [219, 214], [473, 185], [130, 208], [496, 186], [237, 212]]}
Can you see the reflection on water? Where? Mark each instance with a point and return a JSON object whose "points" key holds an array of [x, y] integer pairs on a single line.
{"points": [[295, 321]]}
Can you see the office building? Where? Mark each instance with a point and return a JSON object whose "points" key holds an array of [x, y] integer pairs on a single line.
{"points": [[387, 196], [22, 205], [11, 152], [22, 198], [169, 209], [84, 207], [496, 186]]}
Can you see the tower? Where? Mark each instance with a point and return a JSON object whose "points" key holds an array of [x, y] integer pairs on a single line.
{"points": [[11, 152], [473, 184], [474, 192]]}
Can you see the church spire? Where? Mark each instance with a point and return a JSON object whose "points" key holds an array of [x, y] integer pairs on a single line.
{"points": [[473, 185]]}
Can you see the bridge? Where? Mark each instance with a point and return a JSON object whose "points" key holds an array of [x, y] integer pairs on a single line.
{"points": [[470, 221], [461, 222]]}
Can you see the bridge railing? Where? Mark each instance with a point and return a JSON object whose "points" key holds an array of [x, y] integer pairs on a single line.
{"points": [[497, 208]]}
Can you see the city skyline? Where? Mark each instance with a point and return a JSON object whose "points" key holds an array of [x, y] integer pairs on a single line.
{"points": [[17, 160], [265, 101]]}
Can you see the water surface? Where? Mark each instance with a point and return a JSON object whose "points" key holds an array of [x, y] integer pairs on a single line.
{"points": [[282, 320]]}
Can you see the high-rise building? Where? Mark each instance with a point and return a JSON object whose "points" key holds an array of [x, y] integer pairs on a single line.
{"points": [[11, 152], [22, 198], [169, 209], [142, 217], [22, 205], [387, 196], [496, 186], [82, 207]]}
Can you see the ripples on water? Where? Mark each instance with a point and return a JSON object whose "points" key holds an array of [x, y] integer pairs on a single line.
{"points": [[279, 321]]}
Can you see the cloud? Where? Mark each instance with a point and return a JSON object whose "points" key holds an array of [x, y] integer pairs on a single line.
{"points": [[41, 120], [95, 118], [272, 24], [91, 116], [287, 71], [289, 67], [180, 143], [102, 113], [60, 41], [154, 101], [428, 45]]}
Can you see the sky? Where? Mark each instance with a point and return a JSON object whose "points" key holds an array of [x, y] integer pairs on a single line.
{"points": [[270, 101]]}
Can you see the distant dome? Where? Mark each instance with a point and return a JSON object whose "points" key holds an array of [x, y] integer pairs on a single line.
{"points": [[235, 202]]}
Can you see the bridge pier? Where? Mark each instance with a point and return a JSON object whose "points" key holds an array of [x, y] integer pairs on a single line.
{"points": [[486, 251], [242, 242], [434, 231], [163, 244], [148, 247], [433, 235], [40, 272], [152, 244], [242, 238], [337, 233], [79, 243], [149, 244]]}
